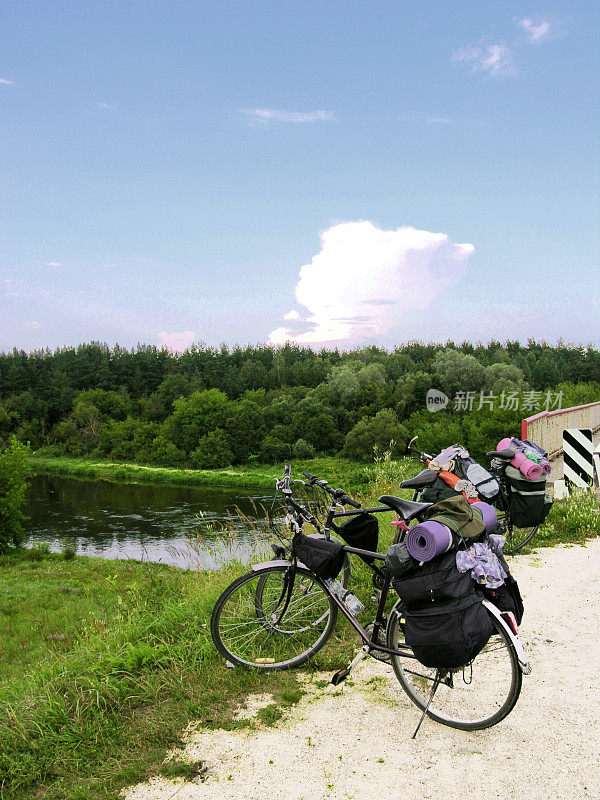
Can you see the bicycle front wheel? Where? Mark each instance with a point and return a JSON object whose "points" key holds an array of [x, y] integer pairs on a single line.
{"points": [[250, 628], [471, 698]]}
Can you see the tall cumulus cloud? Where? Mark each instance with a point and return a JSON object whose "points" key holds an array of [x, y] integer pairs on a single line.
{"points": [[365, 281]]}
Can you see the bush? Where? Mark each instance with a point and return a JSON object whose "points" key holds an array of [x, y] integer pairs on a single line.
{"points": [[302, 449], [380, 434], [14, 471], [273, 451], [164, 453], [212, 451]]}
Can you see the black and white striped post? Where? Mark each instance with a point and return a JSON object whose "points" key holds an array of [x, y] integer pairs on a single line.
{"points": [[578, 453]]}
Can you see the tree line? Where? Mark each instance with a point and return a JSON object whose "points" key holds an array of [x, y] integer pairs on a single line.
{"points": [[211, 407]]}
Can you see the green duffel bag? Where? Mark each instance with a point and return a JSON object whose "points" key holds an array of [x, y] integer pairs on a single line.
{"points": [[529, 502], [458, 515]]}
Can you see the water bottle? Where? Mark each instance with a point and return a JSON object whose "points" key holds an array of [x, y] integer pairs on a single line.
{"points": [[351, 602]]}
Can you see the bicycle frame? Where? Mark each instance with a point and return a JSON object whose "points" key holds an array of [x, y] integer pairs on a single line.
{"points": [[371, 642]]}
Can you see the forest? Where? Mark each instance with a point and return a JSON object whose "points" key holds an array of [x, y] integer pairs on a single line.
{"points": [[211, 407]]}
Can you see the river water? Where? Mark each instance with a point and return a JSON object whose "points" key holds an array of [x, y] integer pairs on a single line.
{"points": [[191, 527]]}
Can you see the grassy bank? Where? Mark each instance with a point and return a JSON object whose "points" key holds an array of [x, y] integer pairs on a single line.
{"points": [[103, 664], [350, 474]]}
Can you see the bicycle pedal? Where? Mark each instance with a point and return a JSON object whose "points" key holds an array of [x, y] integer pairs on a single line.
{"points": [[340, 676]]}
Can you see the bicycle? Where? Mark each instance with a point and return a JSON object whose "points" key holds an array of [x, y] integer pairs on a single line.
{"points": [[516, 537], [280, 614]]}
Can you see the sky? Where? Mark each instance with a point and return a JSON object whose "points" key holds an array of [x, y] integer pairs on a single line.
{"points": [[328, 173]]}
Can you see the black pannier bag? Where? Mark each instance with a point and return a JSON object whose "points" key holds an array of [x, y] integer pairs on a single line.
{"points": [[324, 557], [529, 503], [361, 530], [506, 597], [446, 624], [448, 637]]}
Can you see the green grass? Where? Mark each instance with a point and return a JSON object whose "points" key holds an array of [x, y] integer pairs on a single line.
{"points": [[97, 710], [571, 521], [104, 663], [350, 474]]}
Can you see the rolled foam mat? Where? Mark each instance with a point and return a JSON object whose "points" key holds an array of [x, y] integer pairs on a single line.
{"points": [[488, 515], [529, 469], [428, 540]]}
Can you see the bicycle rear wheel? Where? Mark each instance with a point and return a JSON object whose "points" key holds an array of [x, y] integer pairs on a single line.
{"points": [[249, 630], [516, 538], [471, 698]]}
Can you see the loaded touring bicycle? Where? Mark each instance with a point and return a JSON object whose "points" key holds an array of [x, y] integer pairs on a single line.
{"points": [[283, 611]]}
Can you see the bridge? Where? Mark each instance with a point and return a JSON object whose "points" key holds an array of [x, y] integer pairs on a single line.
{"points": [[546, 429]]}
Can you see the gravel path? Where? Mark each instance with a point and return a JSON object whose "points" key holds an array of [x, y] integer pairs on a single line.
{"points": [[354, 743]]}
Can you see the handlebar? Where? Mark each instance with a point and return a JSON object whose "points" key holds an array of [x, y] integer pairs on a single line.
{"points": [[423, 457], [339, 495], [284, 484]]}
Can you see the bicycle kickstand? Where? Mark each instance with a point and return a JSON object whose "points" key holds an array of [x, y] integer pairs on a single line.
{"points": [[436, 683], [342, 674]]}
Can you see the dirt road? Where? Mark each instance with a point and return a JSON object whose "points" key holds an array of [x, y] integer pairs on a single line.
{"points": [[355, 743]]}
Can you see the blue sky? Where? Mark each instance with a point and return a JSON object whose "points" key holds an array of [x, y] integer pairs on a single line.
{"points": [[168, 169]]}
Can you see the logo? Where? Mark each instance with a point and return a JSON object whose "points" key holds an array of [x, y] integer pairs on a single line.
{"points": [[436, 400]]}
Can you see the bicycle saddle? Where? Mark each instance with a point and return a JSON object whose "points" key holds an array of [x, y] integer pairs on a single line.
{"points": [[508, 454], [426, 477], [407, 509]]}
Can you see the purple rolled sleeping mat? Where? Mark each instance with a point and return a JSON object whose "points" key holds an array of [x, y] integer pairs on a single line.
{"points": [[488, 515], [428, 540], [528, 468]]}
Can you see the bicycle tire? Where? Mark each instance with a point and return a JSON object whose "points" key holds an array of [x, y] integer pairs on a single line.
{"points": [[245, 625], [516, 538], [491, 694]]}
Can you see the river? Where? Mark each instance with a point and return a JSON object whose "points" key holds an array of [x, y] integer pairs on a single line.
{"points": [[191, 527]]}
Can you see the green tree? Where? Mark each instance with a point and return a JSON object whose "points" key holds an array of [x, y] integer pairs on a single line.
{"points": [[315, 422], [503, 378], [195, 416], [80, 432], [458, 372], [383, 431], [8, 422], [14, 471], [112, 405], [212, 451], [245, 428]]}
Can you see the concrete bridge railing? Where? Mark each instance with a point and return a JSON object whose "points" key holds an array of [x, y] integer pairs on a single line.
{"points": [[546, 428]]}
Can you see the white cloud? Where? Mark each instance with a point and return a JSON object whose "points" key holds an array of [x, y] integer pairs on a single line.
{"points": [[6, 82], [177, 342], [293, 315], [540, 30], [54, 264], [262, 117], [493, 59], [365, 281]]}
